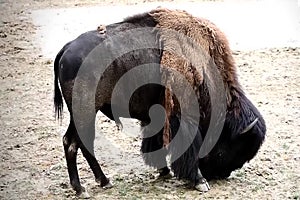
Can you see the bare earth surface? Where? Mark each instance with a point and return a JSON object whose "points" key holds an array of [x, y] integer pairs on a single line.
{"points": [[32, 163]]}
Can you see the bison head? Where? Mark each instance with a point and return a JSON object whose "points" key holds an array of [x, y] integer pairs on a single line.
{"points": [[241, 137]]}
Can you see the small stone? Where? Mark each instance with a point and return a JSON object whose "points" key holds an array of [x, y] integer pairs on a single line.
{"points": [[18, 48], [3, 35], [63, 185], [55, 167], [297, 157]]}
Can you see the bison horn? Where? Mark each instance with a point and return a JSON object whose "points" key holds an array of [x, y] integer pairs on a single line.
{"points": [[248, 128]]}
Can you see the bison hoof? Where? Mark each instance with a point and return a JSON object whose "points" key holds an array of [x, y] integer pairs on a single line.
{"points": [[119, 126], [107, 186], [166, 176], [83, 195], [105, 183], [165, 173], [202, 186]]}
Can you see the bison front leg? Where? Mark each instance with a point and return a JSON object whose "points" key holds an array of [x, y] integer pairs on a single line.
{"points": [[189, 171], [184, 149], [185, 168], [152, 144]]}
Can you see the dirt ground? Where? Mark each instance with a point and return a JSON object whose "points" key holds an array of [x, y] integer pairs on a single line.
{"points": [[32, 162]]}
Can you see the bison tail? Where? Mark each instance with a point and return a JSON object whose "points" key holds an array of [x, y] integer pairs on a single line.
{"points": [[58, 101]]}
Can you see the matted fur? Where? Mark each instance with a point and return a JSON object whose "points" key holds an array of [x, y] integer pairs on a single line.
{"points": [[205, 34]]}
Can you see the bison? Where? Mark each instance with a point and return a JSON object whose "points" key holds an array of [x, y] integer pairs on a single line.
{"points": [[101, 53]]}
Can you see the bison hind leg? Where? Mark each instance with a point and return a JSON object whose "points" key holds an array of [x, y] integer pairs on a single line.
{"points": [[87, 148], [71, 146]]}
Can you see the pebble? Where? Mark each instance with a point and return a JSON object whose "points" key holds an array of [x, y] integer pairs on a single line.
{"points": [[297, 157], [3, 35], [55, 167]]}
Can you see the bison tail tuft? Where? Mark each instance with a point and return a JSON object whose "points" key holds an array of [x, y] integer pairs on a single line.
{"points": [[58, 101]]}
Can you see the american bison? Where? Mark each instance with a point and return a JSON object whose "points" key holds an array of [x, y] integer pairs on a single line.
{"points": [[101, 53]]}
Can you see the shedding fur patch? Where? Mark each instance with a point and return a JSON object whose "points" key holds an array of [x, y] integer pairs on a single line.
{"points": [[101, 29], [185, 56]]}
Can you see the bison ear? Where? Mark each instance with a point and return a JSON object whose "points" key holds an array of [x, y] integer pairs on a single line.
{"points": [[250, 126]]}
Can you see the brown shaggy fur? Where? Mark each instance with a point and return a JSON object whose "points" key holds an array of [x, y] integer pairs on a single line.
{"points": [[213, 44]]}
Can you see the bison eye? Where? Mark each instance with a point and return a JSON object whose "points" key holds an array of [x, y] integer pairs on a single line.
{"points": [[220, 154]]}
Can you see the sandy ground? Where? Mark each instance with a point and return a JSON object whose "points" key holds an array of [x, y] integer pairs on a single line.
{"points": [[32, 162]]}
